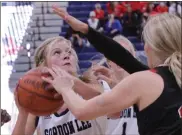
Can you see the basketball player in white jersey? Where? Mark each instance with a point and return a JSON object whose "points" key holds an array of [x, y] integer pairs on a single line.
{"points": [[57, 51], [125, 122]]}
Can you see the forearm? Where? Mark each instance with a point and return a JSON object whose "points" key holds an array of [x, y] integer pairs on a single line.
{"points": [[115, 52], [111, 49], [73, 101], [87, 91], [87, 110], [20, 125]]}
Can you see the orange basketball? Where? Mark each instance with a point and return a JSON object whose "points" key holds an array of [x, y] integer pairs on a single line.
{"points": [[33, 96]]}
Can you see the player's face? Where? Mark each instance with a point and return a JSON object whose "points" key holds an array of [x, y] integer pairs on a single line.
{"points": [[62, 55], [113, 66]]}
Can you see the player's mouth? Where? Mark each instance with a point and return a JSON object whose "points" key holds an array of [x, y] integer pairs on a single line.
{"points": [[67, 64]]}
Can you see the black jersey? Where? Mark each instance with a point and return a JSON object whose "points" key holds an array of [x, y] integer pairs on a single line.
{"points": [[163, 116], [115, 52]]}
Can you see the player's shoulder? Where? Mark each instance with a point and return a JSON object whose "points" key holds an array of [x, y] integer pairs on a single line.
{"points": [[141, 81], [145, 77]]}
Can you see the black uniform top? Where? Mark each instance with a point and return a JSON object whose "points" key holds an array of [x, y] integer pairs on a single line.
{"points": [[161, 117], [115, 52]]}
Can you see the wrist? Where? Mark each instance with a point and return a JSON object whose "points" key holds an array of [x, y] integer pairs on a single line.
{"points": [[23, 114], [66, 91]]}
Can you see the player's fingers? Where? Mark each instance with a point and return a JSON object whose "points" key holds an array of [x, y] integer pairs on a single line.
{"points": [[51, 71], [61, 72], [102, 77], [48, 80], [102, 70], [44, 70], [59, 11], [57, 96], [56, 71]]}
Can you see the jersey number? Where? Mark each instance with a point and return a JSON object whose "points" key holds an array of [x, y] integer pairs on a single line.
{"points": [[180, 112], [124, 128]]}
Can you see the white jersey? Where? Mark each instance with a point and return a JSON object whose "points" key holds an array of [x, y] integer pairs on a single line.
{"points": [[67, 124], [126, 124]]}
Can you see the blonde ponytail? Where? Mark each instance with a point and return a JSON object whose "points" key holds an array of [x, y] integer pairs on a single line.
{"points": [[174, 62], [162, 33]]}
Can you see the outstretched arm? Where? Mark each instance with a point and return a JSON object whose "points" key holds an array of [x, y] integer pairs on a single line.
{"points": [[115, 52], [86, 90], [121, 97], [111, 49], [124, 95]]}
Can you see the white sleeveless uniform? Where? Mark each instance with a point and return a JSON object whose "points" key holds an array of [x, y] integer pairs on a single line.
{"points": [[126, 124], [66, 124]]}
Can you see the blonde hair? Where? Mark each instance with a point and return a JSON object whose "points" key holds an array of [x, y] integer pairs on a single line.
{"points": [[163, 33], [40, 52], [120, 39]]}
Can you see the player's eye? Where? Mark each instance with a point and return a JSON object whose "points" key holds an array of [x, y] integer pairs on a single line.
{"points": [[57, 52], [69, 52]]}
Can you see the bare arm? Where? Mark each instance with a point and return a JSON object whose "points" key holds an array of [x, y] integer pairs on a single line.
{"points": [[111, 49], [20, 125], [107, 103], [86, 90], [130, 91], [38, 131], [25, 124], [30, 125]]}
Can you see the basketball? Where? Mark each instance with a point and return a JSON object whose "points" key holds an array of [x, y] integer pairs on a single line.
{"points": [[33, 96]]}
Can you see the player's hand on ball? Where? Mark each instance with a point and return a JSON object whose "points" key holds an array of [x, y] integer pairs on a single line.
{"points": [[61, 80], [20, 109], [76, 24]]}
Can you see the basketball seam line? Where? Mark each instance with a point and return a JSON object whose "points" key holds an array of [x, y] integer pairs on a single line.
{"points": [[39, 94], [40, 111]]}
